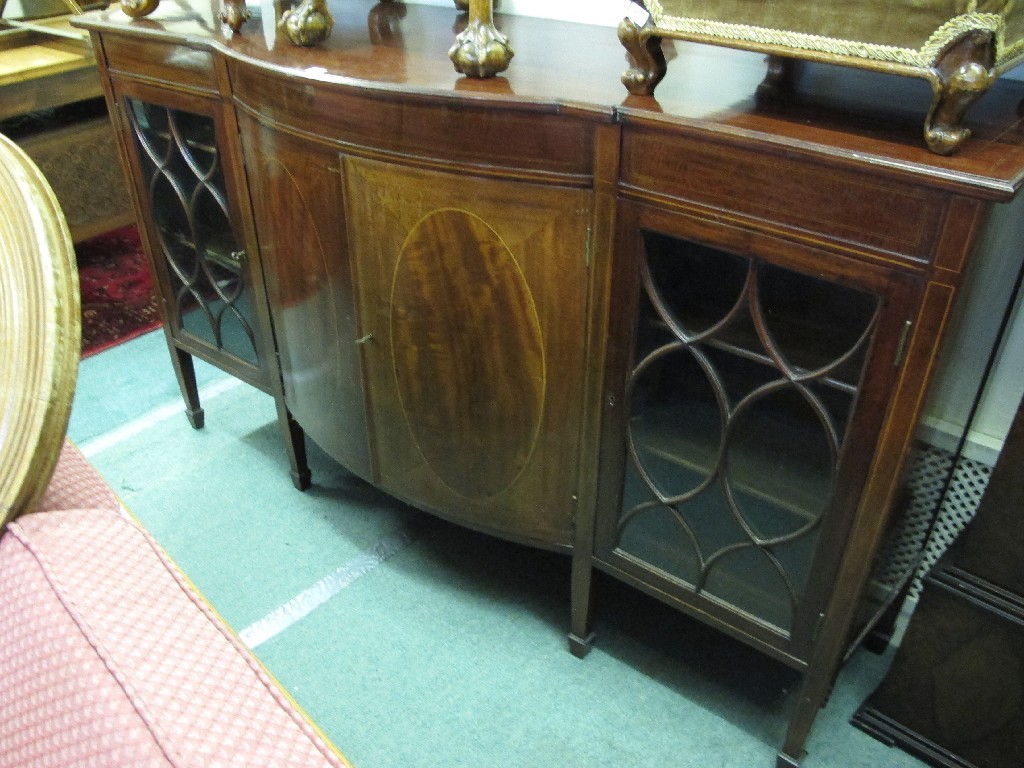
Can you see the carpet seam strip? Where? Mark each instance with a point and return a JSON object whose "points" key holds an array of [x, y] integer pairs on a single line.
{"points": [[136, 426], [311, 598]]}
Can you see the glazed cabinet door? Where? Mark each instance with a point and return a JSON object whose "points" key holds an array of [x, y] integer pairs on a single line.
{"points": [[183, 157], [296, 196], [753, 377], [209, 283], [472, 295]]}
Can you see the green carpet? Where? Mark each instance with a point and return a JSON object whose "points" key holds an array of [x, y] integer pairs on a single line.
{"points": [[448, 650]]}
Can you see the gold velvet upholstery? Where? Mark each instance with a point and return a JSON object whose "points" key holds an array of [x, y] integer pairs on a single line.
{"points": [[40, 330], [911, 32]]}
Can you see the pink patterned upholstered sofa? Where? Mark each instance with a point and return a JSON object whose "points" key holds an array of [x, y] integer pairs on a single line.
{"points": [[109, 657]]}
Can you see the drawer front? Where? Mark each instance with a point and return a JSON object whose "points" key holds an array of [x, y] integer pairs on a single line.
{"points": [[173, 65], [843, 208], [444, 131]]}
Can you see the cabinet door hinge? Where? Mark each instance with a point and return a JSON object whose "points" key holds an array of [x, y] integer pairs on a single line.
{"points": [[589, 255], [901, 345]]}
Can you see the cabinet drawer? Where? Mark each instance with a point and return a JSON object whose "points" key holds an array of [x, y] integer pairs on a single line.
{"points": [[174, 65], [445, 131], [812, 201]]}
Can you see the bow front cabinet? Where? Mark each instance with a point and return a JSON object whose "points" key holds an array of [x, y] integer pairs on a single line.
{"points": [[684, 340]]}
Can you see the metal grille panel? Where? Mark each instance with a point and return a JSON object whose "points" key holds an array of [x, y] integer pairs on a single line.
{"points": [[927, 478]]}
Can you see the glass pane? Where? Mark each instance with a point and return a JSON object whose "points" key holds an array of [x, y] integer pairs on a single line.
{"points": [[747, 578], [183, 167], [695, 305], [745, 377], [676, 425], [815, 323]]}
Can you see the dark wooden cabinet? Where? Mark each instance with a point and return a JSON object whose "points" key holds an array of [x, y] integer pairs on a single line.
{"points": [[686, 340], [954, 695]]}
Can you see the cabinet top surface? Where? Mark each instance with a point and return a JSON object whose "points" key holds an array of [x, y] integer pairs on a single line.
{"points": [[395, 49]]}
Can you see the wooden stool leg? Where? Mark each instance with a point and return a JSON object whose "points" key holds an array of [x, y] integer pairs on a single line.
{"points": [[965, 75], [648, 59]]}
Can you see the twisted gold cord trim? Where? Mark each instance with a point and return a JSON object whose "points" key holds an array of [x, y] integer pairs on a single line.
{"points": [[1008, 54], [926, 56]]}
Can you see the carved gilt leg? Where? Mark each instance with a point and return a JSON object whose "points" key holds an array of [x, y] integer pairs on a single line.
{"points": [[235, 14], [382, 21], [307, 24], [962, 75], [649, 60], [139, 8], [480, 50]]}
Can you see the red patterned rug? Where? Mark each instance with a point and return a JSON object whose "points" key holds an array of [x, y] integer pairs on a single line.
{"points": [[118, 302]]}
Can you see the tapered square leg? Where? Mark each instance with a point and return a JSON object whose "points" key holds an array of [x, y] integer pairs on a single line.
{"points": [[185, 371]]}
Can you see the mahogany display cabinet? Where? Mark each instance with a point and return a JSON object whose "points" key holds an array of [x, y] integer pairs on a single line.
{"points": [[684, 340]]}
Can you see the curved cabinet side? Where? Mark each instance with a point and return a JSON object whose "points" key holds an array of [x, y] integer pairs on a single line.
{"points": [[298, 209]]}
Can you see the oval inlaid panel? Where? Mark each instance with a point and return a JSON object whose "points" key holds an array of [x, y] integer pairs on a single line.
{"points": [[468, 353]]}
